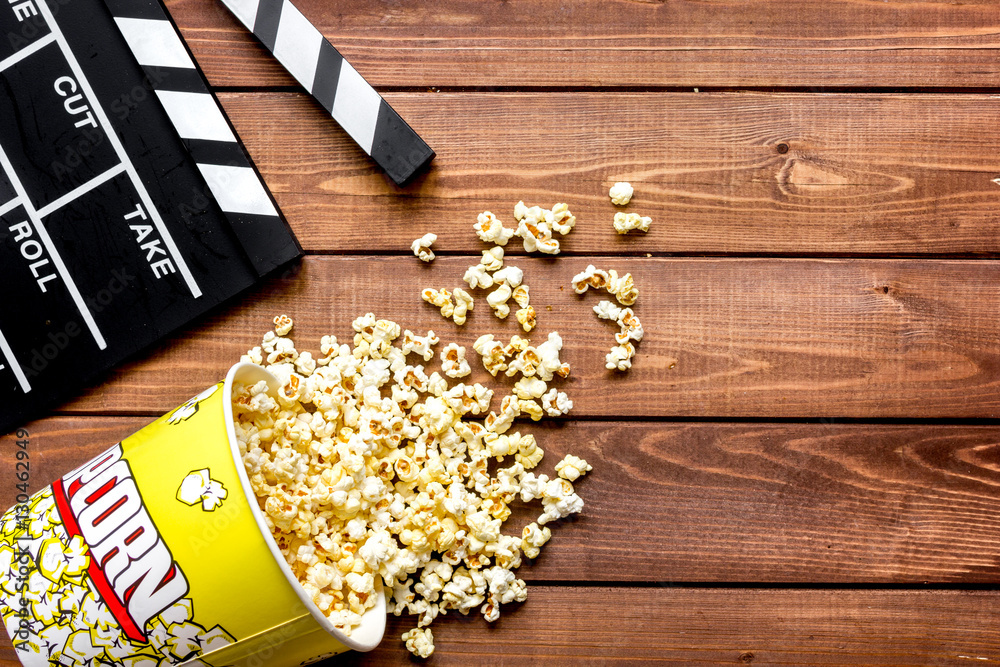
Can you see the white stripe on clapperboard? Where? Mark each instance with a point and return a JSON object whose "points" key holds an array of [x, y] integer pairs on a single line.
{"points": [[355, 106], [296, 46], [245, 11], [14, 366], [57, 261], [195, 115], [154, 43], [112, 136], [237, 189]]}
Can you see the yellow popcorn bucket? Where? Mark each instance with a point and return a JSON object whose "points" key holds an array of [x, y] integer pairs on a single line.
{"points": [[156, 553]]}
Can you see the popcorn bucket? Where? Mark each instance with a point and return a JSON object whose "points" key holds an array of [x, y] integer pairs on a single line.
{"points": [[156, 553]]}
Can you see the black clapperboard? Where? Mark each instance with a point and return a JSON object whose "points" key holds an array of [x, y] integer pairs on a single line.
{"points": [[128, 206]]}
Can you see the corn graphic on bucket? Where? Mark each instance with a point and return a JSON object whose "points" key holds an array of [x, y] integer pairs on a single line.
{"points": [[156, 553]]}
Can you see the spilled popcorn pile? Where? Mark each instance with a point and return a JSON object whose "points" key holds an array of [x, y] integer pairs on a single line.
{"points": [[368, 469]]}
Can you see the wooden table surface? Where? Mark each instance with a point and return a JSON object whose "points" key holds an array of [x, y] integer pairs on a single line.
{"points": [[803, 465]]}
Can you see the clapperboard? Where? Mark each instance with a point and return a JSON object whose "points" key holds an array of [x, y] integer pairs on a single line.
{"points": [[127, 205], [334, 83]]}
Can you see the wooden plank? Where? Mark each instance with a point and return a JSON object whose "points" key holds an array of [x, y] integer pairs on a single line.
{"points": [[578, 626], [717, 626], [718, 173], [761, 338], [731, 43], [848, 504]]}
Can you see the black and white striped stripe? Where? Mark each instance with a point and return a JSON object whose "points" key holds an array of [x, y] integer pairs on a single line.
{"points": [[336, 85], [206, 132]]}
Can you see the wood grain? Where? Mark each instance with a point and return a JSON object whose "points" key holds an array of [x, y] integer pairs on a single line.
{"points": [[859, 243], [731, 43], [750, 503], [724, 337], [572, 626], [698, 626], [718, 173]]}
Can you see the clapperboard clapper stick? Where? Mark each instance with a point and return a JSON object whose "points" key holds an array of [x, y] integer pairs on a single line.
{"points": [[336, 85]]}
